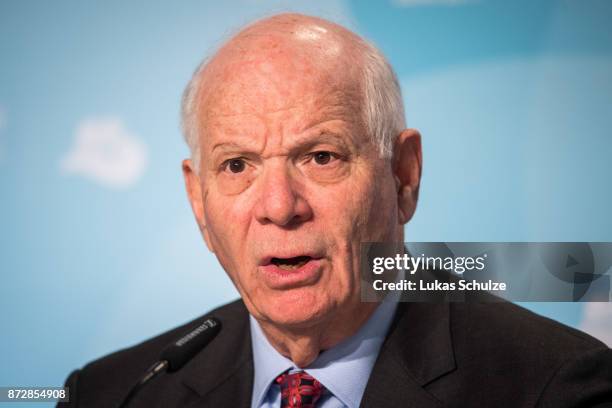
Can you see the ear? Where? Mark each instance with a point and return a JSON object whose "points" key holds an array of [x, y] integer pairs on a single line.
{"points": [[194, 194], [407, 166]]}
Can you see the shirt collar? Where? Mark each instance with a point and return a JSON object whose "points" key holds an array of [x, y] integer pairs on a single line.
{"points": [[344, 369]]}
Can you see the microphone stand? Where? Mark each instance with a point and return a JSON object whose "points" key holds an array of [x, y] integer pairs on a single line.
{"points": [[156, 369]]}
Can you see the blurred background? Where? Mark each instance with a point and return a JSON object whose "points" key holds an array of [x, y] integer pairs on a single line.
{"points": [[99, 249]]}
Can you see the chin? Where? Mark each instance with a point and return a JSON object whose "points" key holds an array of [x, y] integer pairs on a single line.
{"points": [[298, 308]]}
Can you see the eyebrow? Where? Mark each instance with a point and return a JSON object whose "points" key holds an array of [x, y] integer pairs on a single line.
{"points": [[322, 135], [227, 145]]}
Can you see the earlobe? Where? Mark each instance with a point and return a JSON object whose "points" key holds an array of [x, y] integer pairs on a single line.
{"points": [[194, 194], [407, 166], [407, 205]]}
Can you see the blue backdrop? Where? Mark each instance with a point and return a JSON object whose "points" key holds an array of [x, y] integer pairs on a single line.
{"points": [[99, 249]]}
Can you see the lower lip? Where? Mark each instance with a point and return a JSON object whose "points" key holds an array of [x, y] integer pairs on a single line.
{"points": [[278, 278]]}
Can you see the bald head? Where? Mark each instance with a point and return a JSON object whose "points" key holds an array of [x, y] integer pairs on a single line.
{"points": [[293, 34], [273, 63]]}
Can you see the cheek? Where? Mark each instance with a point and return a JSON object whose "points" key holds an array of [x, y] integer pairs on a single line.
{"points": [[360, 210], [227, 223], [374, 210]]}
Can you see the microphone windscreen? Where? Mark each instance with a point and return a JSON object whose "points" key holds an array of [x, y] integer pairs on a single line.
{"points": [[184, 349]]}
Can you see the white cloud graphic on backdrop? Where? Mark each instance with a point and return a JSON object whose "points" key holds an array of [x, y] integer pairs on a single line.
{"points": [[597, 321], [106, 152]]}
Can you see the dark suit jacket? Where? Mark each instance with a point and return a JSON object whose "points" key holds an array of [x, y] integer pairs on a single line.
{"points": [[435, 355]]}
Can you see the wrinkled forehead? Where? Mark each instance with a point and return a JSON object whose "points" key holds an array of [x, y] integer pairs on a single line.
{"points": [[271, 69]]}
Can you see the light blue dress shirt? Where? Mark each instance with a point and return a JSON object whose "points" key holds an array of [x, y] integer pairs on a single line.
{"points": [[344, 369]]}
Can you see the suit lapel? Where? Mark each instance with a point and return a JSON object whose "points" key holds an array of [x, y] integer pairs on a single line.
{"points": [[222, 375], [233, 391], [417, 351]]}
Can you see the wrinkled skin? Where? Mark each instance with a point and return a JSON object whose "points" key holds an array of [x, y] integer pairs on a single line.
{"points": [[288, 169]]}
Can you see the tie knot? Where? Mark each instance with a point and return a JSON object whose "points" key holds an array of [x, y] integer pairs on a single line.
{"points": [[299, 390]]}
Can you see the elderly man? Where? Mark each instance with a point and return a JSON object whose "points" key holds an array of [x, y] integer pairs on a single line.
{"points": [[300, 154]]}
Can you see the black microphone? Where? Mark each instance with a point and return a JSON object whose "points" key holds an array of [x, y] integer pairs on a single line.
{"points": [[177, 354]]}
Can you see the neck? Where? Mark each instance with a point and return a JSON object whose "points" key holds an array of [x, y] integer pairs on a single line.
{"points": [[303, 344]]}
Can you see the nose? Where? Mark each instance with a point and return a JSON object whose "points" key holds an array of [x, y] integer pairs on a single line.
{"points": [[279, 201]]}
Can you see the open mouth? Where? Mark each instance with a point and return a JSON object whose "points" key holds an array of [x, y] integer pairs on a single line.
{"points": [[290, 263]]}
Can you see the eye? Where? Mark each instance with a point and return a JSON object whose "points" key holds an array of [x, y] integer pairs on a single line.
{"points": [[326, 166], [235, 165], [322, 157]]}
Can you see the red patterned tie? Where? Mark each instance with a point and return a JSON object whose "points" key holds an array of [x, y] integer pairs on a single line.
{"points": [[299, 390]]}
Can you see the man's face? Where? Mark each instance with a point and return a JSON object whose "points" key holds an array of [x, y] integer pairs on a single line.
{"points": [[290, 185]]}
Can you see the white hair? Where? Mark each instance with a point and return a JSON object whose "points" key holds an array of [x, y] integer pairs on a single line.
{"points": [[383, 108]]}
